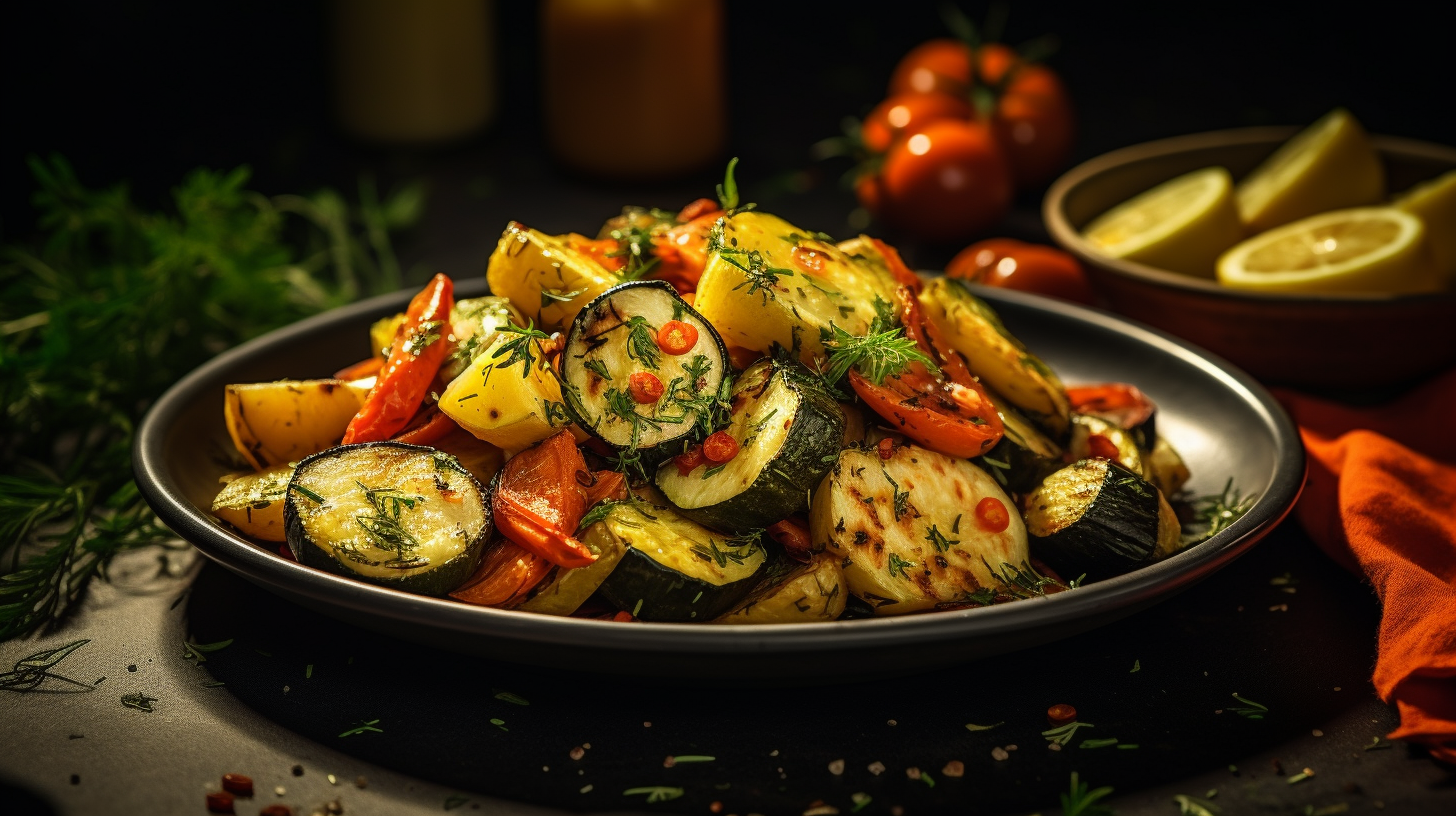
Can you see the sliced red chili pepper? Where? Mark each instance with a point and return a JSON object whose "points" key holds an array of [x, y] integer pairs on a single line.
{"points": [[237, 784], [360, 370], [1121, 404], [414, 360], [506, 573], [794, 537], [1102, 447], [538, 502], [902, 273], [1061, 714], [992, 514], [887, 448], [808, 259], [676, 337], [645, 387], [220, 802], [720, 447], [690, 460], [622, 617], [428, 427]]}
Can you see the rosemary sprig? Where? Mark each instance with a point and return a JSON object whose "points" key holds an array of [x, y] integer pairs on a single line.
{"points": [[656, 793], [1216, 512], [384, 526], [1024, 581], [1250, 709], [897, 566]]}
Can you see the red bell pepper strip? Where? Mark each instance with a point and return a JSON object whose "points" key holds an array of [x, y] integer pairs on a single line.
{"points": [[428, 427], [903, 275], [419, 349], [539, 501]]}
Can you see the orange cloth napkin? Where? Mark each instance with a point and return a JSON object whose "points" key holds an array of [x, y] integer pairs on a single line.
{"points": [[1381, 500]]}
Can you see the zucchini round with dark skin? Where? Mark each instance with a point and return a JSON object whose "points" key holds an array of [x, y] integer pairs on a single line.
{"points": [[792, 592], [633, 374], [401, 516], [1024, 456], [1099, 518], [789, 432], [674, 569]]}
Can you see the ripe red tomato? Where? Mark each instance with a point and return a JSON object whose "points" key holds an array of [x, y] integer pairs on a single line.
{"points": [[1034, 124], [946, 182], [942, 66], [905, 114], [1013, 264]]}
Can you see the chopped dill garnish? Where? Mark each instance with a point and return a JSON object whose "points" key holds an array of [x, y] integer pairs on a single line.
{"points": [[656, 793], [549, 296], [519, 349], [1062, 734], [876, 355], [898, 565], [1214, 513], [598, 367], [642, 342], [934, 536]]}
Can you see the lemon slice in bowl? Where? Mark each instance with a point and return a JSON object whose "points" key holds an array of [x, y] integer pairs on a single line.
{"points": [[1364, 250], [1434, 202], [1181, 225], [1329, 165]]}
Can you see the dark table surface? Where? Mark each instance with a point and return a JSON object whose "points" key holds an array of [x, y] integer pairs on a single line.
{"points": [[1282, 626]]}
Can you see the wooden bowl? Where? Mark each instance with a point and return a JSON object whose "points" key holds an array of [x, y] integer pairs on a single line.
{"points": [[1321, 341]]}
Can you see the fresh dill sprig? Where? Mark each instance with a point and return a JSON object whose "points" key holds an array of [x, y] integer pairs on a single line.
{"points": [[876, 355], [519, 350], [384, 526], [937, 538], [642, 342], [1024, 581], [598, 367], [897, 566]]}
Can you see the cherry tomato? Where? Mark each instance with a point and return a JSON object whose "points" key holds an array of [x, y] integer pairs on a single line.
{"points": [[719, 447], [947, 182], [1034, 124], [1125, 406], [683, 250], [902, 115], [992, 514], [993, 61], [645, 387], [794, 537], [1012, 264], [942, 65], [687, 462], [676, 337]]}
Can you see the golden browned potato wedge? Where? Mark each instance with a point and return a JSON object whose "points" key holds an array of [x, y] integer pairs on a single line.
{"points": [[1000, 360], [758, 292], [511, 407], [280, 422], [527, 263], [253, 502], [907, 528], [799, 593]]}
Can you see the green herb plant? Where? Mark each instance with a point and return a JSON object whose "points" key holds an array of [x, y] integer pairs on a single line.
{"points": [[111, 305]]}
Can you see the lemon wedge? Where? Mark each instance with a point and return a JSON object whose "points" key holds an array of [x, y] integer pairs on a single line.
{"points": [[1329, 165], [1434, 202], [1181, 225], [1360, 250]]}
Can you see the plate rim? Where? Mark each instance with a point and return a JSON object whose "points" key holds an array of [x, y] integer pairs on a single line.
{"points": [[1153, 582]]}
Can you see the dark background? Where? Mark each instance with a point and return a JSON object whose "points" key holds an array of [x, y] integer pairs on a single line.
{"points": [[144, 90]]}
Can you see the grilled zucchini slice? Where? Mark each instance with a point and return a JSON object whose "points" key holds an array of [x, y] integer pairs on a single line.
{"points": [[1165, 468], [908, 530], [398, 515], [769, 284], [544, 278], [789, 431], [674, 569], [795, 593], [614, 338], [1100, 518], [1024, 456], [1000, 360]]}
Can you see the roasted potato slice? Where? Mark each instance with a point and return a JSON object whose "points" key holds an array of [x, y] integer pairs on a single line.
{"points": [[511, 407], [280, 422], [1000, 360], [527, 263], [908, 529], [796, 593], [253, 502]]}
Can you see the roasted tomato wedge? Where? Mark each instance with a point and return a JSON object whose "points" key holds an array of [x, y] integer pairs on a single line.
{"points": [[948, 412], [1119, 403], [539, 501], [506, 573], [943, 416]]}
